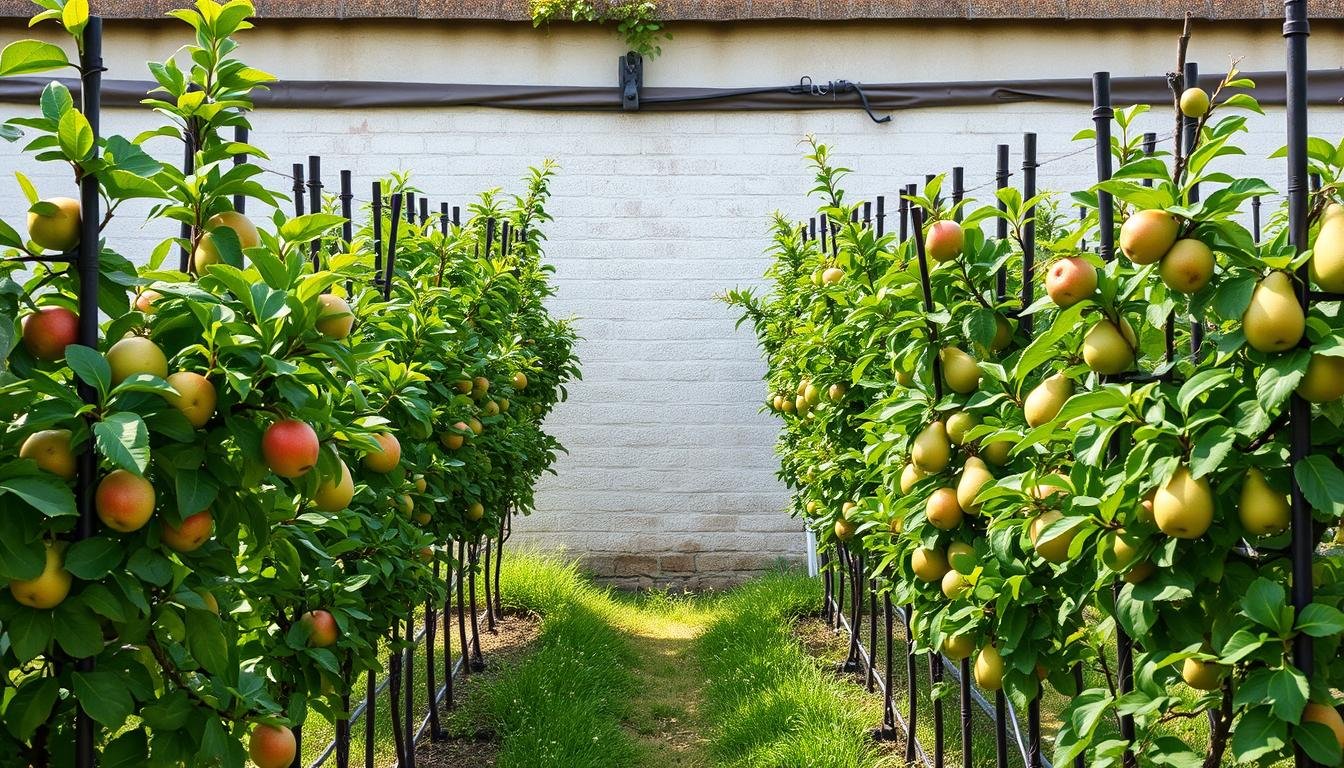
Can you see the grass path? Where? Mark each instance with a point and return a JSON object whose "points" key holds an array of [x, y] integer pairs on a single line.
{"points": [[665, 681]]}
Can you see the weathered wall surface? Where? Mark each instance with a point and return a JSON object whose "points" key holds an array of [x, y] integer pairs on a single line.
{"points": [[670, 475]]}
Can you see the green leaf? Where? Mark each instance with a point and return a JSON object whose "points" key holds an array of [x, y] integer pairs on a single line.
{"points": [[1258, 734], [30, 706], [104, 696], [302, 229], [1263, 602], [56, 101], [1320, 620], [1280, 377], [1211, 449], [75, 135], [129, 750], [1199, 384], [25, 57], [151, 566], [206, 642], [1287, 693], [77, 630], [196, 490], [1242, 644], [91, 559], [1322, 482], [47, 494], [91, 367], [29, 633], [75, 16], [1319, 742], [124, 439]]}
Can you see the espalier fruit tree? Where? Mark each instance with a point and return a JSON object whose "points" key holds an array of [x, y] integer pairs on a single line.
{"points": [[1035, 481], [283, 449]]}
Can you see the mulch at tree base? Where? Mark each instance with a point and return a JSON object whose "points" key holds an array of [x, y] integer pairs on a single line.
{"points": [[514, 639]]}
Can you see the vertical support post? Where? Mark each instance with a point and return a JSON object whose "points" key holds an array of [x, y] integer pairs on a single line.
{"points": [[881, 215], [315, 203], [1001, 182], [91, 76], [462, 603], [911, 687], [186, 232], [389, 265], [854, 662], [409, 690], [967, 738], [958, 188], [394, 694], [343, 720], [872, 631], [447, 628], [443, 219], [1189, 138], [298, 189], [1255, 217], [347, 196], [1296, 29], [410, 207], [431, 672], [825, 228], [486, 588], [477, 661], [240, 137], [1028, 228], [505, 528], [424, 210], [1034, 733], [377, 232], [828, 595], [867, 214], [842, 566], [1102, 114], [903, 208], [1000, 729], [370, 718], [888, 707]]}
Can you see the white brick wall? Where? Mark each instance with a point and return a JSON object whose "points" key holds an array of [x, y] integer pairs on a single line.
{"points": [[670, 472]]}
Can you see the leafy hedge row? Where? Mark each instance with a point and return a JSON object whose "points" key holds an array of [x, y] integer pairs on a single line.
{"points": [[308, 448], [1031, 493]]}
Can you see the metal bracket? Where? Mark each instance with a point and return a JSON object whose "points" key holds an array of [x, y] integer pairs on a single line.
{"points": [[631, 73]]}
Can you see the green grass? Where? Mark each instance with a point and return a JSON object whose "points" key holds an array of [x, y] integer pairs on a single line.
{"points": [[565, 703], [773, 704]]}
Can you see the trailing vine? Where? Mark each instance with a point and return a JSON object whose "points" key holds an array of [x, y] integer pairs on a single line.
{"points": [[637, 21]]}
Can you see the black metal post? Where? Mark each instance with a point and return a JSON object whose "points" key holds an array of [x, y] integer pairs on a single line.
{"points": [[487, 589], [424, 210], [912, 686], [1001, 182], [91, 75], [1255, 217], [389, 265], [370, 718], [186, 231], [1028, 228], [872, 632], [462, 603], [828, 592], [1102, 114], [477, 661], [936, 679], [1296, 29], [347, 195], [1000, 729], [443, 219], [854, 662], [903, 208], [1034, 732], [410, 207], [298, 189], [240, 137], [881, 215], [409, 690], [377, 202], [447, 630], [394, 694], [315, 203], [958, 188], [966, 734]]}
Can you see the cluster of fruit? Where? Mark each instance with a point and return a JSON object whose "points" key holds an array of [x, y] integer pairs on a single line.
{"points": [[1013, 489], [282, 452]]}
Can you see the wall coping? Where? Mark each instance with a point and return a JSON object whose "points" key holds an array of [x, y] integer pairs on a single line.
{"points": [[740, 10]]}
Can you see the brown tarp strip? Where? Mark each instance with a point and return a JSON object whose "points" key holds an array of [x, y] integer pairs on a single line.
{"points": [[1325, 87]]}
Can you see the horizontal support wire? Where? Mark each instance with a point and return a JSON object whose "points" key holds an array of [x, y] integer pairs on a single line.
{"points": [[976, 696]]}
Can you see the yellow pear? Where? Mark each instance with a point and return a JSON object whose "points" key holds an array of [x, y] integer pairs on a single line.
{"points": [[1327, 258], [1183, 506], [931, 450], [958, 647], [996, 453], [1274, 320], [955, 585], [974, 477], [1121, 550], [1324, 380], [1146, 236], [929, 565], [989, 669], [1108, 349], [1056, 548], [958, 424], [960, 371], [1262, 509], [1203, 675], [961, 556], [943, 510], [49, 588], [911, 475], [1187, 267], [844, 529], [1044, 402]]}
